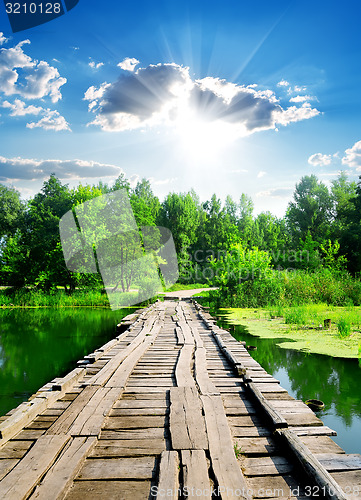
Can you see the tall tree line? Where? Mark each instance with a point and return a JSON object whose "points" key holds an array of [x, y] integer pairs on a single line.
{"points": [[319, 223]]}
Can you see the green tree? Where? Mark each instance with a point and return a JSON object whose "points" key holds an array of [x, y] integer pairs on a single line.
{"points": [[11, 210], [310, 212], [180, 214]]}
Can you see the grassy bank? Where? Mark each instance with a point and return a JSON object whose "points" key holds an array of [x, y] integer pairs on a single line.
{"points": [[10, 298], [302, 328]]}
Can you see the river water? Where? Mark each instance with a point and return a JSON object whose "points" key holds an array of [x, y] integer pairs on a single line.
{"points": [[335, 381], [37, 345]]}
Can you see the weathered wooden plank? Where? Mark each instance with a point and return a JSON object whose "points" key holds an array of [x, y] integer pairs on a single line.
{"points": [[110, 490], [244, 421], [226, 469], [196, 483], [337, 462], [243, 432], [141, 403], [187, 333], [302, 419], [24, 414], [276, 419], [168, 480], [15, 449], [118, 468], [6, 465], [137, 422], [310, 464], [180, 336], [121, 373], [275, 487], [263, 445], [91, 418], [321, 444], [122, 412], [204, 383], [126, 447], [187, 427], [18, 484], [69, 380], [265, 466], [183, 373], [148, 433], [59, 478], [350, 482], [102, 377], [320, 430], [66, 420]]}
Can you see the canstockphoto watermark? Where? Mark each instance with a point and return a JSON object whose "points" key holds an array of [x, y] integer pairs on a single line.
{"points": [[288, 255], [30, 13], [101, 235], [224, 491]]}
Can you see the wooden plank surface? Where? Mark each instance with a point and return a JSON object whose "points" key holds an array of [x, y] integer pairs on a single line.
{"points": [[59, 478], [225, 467], [183, 375], [118, 468], [168, 478], [24, 477], [187, 426], [196, 482], [110, 490]]}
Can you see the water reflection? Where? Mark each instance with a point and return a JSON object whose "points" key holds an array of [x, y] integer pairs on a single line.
{"points": [[37, 345], [336, 381]]}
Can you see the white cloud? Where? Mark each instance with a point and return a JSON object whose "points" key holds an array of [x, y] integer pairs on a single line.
{"points": [[302, 98], [165, 93], [283, 83], [12, 169], [128, 64], [352, 156], [51, 120], [3, 38], [30, 79], [294, 114], [164, 181], [19, 108], [261, 174], [95, 65], [276, 193], [320, 159]]}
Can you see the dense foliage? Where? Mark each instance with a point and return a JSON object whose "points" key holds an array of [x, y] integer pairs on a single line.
{"points": [[252, 259]]}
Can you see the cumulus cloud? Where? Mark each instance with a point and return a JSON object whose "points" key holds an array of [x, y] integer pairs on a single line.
{"points": [[95, 65], [302, 98], [19, 108], [294, 114], [163, 93], [3, 39], [51, 120], [352, 156], [128, 64], [12, 169], [261, 174], [276, 193], [30, 79], [283, 83], [320, 159]]}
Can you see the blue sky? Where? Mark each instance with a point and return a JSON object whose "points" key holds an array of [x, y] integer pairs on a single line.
{"points": [[223, 97]]}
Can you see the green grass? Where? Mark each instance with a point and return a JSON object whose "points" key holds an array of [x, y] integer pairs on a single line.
{"points": [[344, 327], [190, 286], [55, 298]]}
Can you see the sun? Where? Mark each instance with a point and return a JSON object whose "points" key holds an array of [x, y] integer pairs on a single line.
{"points": [[201, 139]]}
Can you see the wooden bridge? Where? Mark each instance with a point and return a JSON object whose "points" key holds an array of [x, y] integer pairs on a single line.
{"points": [[173, 408]]}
